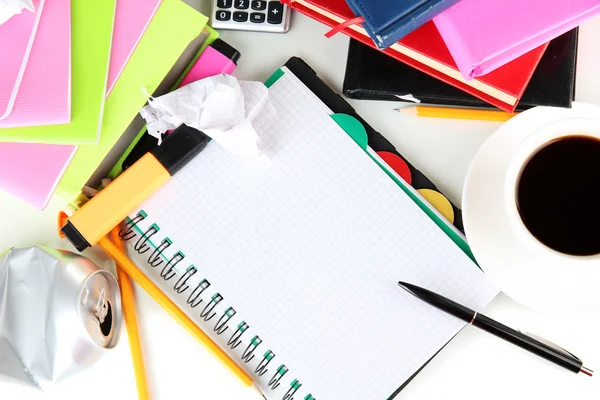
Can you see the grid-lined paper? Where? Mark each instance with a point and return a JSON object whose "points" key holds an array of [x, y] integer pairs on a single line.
{"points": [[308, 250]]}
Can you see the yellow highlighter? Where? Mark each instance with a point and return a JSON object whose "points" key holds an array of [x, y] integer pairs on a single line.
{"points": [[106, 210], [90, 224]]}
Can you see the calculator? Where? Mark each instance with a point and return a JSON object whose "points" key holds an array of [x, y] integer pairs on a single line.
{"points": [[251, 15]]}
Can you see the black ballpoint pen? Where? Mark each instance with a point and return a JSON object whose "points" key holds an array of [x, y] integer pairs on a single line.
{"points": [[536, 345]]}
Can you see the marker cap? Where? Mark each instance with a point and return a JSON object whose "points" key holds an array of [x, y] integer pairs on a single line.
{"points": [[178, 148], [226, 49]]}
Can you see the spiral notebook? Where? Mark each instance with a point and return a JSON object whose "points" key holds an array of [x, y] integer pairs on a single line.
{"points": [[292, 265]]}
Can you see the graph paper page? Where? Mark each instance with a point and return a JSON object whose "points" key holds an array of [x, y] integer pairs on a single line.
{"points": [[307, 250]]}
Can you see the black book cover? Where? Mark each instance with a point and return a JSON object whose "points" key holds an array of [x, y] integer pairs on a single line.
{"points": [[372, 75]]}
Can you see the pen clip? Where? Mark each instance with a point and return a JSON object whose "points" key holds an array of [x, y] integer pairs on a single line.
{"points": [[552, 345]]}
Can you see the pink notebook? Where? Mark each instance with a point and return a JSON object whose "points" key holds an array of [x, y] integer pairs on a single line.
{"points": [[131, 21], [484, 35], [17, 37], [48, 72], [32, 171]]}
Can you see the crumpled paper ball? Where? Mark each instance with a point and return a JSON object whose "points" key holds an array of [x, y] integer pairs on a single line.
{"points": [[59, 313], [227, 110]]}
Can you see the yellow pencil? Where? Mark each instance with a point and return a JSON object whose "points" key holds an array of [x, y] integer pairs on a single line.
{"points": [[457, 113], [133, 333], [141, 279]]}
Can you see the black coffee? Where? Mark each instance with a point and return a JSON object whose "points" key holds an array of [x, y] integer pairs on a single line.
{"points": [[558, 195]]}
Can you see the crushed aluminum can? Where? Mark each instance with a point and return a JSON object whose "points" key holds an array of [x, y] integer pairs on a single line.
{"points": [[59, 313]]}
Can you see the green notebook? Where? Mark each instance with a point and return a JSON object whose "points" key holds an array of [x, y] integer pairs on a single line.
{"points": [[174, 26], [90, 55]]}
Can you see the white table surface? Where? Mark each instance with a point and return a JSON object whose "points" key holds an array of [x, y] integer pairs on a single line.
{"points": [[474, 365]]}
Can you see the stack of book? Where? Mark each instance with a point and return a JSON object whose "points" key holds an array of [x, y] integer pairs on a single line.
{"points": [[71, 81], [493, 53]]}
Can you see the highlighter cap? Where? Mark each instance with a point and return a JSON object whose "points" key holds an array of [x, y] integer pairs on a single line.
{"points": [[227, 50], [178, 148]]}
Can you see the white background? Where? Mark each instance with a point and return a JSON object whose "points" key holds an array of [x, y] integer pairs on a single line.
{"points": [[474, 365]]}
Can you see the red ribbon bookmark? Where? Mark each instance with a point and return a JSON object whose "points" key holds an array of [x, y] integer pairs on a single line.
{"points": [[344, 25]]}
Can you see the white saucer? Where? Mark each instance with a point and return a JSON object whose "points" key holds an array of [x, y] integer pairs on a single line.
{"points": [[522, 267]]}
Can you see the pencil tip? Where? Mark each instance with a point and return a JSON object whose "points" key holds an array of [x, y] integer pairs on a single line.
{"points": [[411, 110]]}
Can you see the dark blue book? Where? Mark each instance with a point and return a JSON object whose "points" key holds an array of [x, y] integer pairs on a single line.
{"points": [[387, 21]]}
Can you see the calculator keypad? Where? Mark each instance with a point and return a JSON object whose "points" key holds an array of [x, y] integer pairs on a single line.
{"points": [[257, 18], [259, 5], [223, 15], [264, 15], [240, 16], [241, 4], [275, 12]]}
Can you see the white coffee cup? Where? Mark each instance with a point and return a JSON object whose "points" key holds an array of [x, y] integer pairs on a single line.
{"points": [[522, 266]]}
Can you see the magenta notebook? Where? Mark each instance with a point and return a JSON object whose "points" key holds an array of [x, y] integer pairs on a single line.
{"points": [[16, 40], [32, 171], [48, 72], [485, 35], [131, 21]]}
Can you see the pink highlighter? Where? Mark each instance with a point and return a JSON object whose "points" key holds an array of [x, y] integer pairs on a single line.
{"points": [[216, 59]]}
